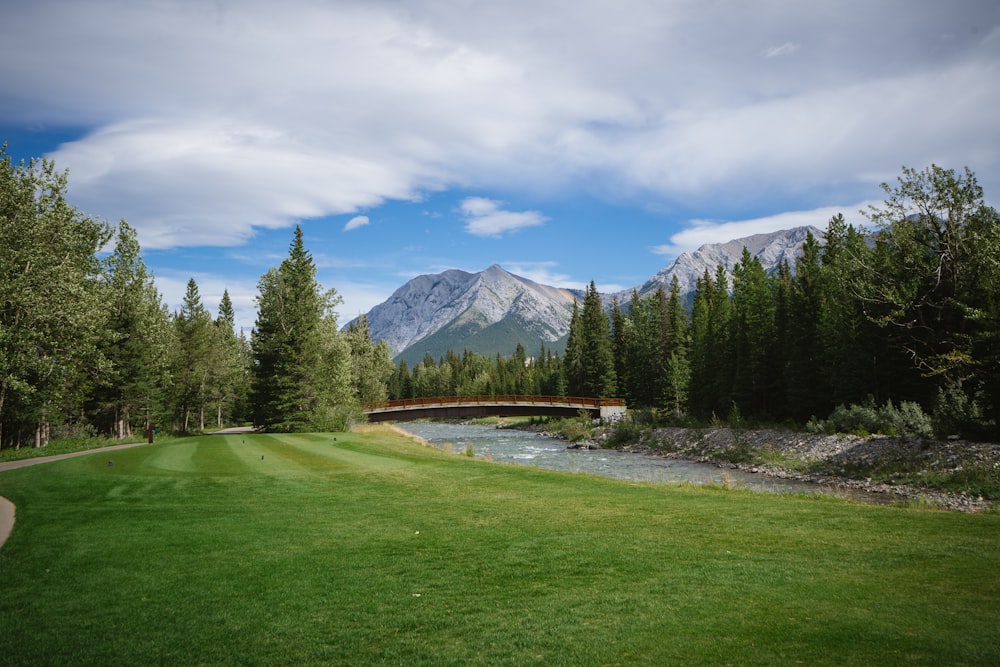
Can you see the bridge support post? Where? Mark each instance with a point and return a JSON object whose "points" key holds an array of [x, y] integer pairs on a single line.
{"points": [[612, 413]]}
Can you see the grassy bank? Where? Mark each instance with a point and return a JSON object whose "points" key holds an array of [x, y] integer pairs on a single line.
{"points": [[276, 549]]}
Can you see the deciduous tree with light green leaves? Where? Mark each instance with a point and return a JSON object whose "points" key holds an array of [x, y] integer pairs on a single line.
{"points": [[934, 279], [49, 295]]}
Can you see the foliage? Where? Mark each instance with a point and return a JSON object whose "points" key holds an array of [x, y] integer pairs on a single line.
{"points": [[908, 419], [573, 429], [131, 392], [49, 294], [302, 364], [593, 371]]}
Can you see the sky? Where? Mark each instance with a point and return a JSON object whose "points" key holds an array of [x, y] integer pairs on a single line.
{"points": [[568, 141]]}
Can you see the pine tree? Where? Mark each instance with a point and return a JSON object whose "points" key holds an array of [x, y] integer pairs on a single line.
{"points": [[622, 332], [807, 388], [130, 391], [229, 379], [573, 361], [301, 378], [752, 332], [193, 362], [596, 361], [677, 374]]}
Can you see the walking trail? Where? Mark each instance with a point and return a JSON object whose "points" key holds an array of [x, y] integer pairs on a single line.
{"points": [[7, 508]]}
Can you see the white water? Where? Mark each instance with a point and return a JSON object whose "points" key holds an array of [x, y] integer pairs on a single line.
{"points": [[520, 447]]}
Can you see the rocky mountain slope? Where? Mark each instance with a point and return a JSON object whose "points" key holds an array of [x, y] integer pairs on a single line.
{"points": [[491, 311], [771, 249], [456, 305]]}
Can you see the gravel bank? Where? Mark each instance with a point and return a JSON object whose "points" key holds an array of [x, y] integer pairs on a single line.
{"points": [[845, 461]]}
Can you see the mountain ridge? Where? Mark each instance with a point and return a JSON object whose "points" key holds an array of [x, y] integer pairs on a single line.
{"points": [[493, 310]]}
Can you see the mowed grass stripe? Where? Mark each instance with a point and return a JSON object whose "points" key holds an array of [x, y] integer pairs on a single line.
{"points": [[324, 453], [439, 559]]}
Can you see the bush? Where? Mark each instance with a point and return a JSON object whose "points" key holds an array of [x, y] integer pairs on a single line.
{"points": [[908, 419], [625, 431], [957, 413], [576, 429]]}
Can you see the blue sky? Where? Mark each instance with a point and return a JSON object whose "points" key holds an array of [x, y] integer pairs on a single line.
{"points": [[567, 141]]}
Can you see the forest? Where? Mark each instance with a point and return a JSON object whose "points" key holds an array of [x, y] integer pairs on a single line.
{"points": [[89, 349], [893, 327]]}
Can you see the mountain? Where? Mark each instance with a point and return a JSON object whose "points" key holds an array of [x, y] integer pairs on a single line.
{"points": [[487, 312], [491, 311], [771, 249]]}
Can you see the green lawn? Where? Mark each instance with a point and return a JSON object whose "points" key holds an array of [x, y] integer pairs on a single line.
{"points": [[274, 549]]}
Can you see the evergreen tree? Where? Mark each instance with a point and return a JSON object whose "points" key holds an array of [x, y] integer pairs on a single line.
{"points": [[301, 378], [192, 366], [596, 361], [677, 374], [622, 333], [806, 378], [228, 372], [847, 344], [400, 384], [752, 333], [130, 391], [712, 353], [573, 361], [644, 377]]}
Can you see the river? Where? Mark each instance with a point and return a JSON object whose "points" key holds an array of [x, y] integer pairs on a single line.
{"points": [[525, 448]]}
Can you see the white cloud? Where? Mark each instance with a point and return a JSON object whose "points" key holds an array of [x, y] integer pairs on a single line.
{"points": [[543, 274], [173, 286], [484, 217], [701, 232], [786, 49], [355, 222], [211, 120]]}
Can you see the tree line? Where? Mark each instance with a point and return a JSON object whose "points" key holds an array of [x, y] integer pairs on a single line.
{"points": [[88, 348], [903, 315]]}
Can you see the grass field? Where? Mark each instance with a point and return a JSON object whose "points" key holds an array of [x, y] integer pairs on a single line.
{"points": [[280, 549]]}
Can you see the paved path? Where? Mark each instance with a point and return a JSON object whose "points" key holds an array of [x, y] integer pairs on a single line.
{"points": [[7, 507]]}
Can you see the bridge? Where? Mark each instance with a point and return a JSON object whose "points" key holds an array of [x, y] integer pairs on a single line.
{"points": [[500, 405]]}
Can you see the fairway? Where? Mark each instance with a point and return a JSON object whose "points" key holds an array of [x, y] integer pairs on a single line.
{"points": [[366, 548]]}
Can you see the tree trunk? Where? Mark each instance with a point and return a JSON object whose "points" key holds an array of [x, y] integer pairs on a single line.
{"points": [[42, 429], [3, 399]]}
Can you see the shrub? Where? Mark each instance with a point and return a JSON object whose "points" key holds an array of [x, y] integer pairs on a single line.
{"points": [[955, 412], [576, 429], [908, 419], [626, 430]]}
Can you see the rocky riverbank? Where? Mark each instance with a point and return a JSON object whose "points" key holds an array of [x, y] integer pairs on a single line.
{"points": [[876, 464]]}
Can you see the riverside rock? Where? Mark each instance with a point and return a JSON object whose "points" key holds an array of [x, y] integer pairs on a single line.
{"points": [[840, 460]]}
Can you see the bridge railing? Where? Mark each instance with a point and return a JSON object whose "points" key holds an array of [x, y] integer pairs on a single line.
{"points": [[492, 399]]}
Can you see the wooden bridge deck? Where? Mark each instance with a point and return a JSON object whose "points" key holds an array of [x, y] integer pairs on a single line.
{"points": [[503, 405]]}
